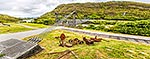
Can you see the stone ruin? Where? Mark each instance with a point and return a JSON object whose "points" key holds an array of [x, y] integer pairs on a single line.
{"points": [[18, 49]]}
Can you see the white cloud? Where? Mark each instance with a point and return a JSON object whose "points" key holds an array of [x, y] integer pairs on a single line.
{"points": [[34, 8], [26, 8]]}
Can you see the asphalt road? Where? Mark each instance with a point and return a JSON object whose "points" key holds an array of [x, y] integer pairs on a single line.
{"points": [[20, 35]]}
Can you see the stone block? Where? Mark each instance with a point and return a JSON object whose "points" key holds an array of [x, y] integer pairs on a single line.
{"points": [[141, 41], [123, 38], [132, 40]]}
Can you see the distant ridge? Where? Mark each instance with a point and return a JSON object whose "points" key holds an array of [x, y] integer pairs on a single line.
{"points": [[7, 18]]}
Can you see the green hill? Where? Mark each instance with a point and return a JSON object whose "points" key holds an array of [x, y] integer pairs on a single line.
{"points": [[113, 10], [7, 18]]}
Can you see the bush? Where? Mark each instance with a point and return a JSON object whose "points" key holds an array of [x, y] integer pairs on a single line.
{"points": [[80, 26], [134, 28], [1, 55]]}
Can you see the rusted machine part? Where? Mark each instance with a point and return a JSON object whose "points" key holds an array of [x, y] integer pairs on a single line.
{"points": [[62, 37]]}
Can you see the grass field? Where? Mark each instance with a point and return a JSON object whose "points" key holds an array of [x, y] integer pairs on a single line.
{"points": [[36, 25], [18, 28], [13, 28], [107, 49]]}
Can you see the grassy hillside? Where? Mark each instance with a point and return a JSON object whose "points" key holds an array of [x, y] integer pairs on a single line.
{"points": [[113, 10], [107, 49], [7, 18]]}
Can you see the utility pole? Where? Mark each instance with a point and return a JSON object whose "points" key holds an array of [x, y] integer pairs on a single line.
{"points": [[74, 18], [56, 18]]}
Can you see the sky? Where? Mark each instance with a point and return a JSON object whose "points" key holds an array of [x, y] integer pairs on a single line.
{"points": [[36, 8]]}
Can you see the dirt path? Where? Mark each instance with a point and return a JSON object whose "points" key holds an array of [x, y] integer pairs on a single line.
{"points": [[28, 26]]}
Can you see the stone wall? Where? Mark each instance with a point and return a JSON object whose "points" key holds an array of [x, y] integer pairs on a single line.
{"points": [[113, 36]]}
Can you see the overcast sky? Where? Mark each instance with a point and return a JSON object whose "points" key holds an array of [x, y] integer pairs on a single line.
{"points": [[35, 8]]}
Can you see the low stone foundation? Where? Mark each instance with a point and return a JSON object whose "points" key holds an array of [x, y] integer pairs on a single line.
{"points": [[18, 49]]}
